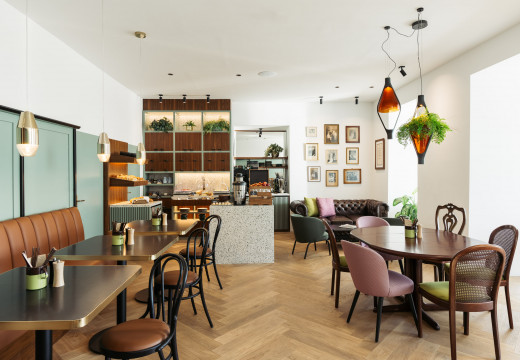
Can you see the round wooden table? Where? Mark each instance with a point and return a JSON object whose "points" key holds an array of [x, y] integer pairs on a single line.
{"points": [[435, 245]]}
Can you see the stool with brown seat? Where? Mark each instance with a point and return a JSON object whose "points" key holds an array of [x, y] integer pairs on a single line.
{"points": [[145, 336]]}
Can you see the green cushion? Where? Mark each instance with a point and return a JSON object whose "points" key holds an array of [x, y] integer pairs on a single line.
{"points": [[312, 206], [439, 289], [343, 261], [325, 236]]}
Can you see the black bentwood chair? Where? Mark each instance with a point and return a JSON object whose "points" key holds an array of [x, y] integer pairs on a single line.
{"points": [[209, 259], [194, 281], [145, 336]]}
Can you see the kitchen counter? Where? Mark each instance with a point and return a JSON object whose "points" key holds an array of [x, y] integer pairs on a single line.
{"points": [[127, 203], [280, 194], [246, 235], [127, 212]]}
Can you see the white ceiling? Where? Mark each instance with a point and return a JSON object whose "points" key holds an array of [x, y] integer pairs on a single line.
{"points": [[312, 45]]}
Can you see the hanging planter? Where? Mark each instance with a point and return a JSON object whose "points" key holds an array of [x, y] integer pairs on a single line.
{"points": [[420, 131]]}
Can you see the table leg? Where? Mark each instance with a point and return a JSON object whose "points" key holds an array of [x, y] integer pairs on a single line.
{"points": [[95, 341], [43, 345]]}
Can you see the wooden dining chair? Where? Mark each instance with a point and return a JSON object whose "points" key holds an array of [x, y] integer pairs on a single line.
{"points": [[339, 263], [145, 336], [474, 280], [213, 220]]}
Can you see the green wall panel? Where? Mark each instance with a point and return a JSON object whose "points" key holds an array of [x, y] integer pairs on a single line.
{"points": [[9, 167], [135, 170], [49, 174], [90, 184]]}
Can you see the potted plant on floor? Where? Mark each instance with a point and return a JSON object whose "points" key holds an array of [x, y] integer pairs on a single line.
{"points": [[273, 150], [216, 125], [421, 130]]}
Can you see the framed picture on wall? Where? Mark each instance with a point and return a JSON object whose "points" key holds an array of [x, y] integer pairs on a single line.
{"points": [[352, 176], [311, 131], [331, 177], [352, 155], [331, 133], [380, 154], [352, 134], [331, 156], [311, 152], [313, 173]]}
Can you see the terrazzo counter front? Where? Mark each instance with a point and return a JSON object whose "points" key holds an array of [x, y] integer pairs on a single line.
{"points": [[246, 235]]}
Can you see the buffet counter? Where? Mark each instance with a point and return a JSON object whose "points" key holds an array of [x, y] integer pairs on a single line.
{"points": [[126, 212], [246, 235]]}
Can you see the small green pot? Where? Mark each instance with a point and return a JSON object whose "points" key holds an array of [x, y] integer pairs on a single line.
{"points": [[118, 240], [36, 282], [156, 221], [409, 233]]}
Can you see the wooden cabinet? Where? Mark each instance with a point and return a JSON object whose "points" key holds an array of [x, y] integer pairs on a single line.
{"points": [[188, 161], [216, 141], [158, 141], [188, 141], [159, 162], [216, 161]]}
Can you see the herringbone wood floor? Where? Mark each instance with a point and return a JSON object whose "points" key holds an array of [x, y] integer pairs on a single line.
{"points": [[285, 311]]}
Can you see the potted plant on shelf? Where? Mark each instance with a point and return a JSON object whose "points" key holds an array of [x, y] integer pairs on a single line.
{"points": [[216, 125], [422, 129], [273, 150], [189, 125], [162, 124]]}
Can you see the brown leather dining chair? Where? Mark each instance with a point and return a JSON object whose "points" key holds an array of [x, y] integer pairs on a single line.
{"points": [[145, 336], [371, 276], [474, 280], [339, 263]]}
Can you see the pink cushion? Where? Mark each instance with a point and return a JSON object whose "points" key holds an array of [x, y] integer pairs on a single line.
{"points": [[399, 284], [326, 207]]}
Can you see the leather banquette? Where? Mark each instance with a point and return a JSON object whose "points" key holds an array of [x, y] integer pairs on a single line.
{"points": [[59, 228]]}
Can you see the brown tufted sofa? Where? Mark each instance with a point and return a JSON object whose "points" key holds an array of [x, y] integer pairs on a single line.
{"points": [[57, 229], [347, 211]]}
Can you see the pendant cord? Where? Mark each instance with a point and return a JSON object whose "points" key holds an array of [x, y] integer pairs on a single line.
{"points": [[141, 75], [383, 48], [418, 54], [27, 54], [103, 63]]}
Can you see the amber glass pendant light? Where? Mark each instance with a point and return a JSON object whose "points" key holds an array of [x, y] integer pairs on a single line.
{"points": [[388, 107]]}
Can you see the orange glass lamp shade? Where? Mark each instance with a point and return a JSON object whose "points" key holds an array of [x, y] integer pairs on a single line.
{"points": [[421, 143], [388, 108]]}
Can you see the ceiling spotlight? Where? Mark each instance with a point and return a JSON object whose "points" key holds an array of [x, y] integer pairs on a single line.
{"points": [[321, 100], [238, 75], [184, 98], [260, 132], [357, 99], [170, 74], [160, 98], [207, 98], [337, 87], [371, 87], [402, 70]]}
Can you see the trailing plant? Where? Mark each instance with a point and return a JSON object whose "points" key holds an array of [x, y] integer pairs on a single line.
{"points": [[162, 124], [427, 124], [216, 125], [409, 208], [189, 124], [273, 150]]}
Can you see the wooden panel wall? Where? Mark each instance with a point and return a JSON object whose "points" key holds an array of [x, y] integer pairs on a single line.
{"points": [[178, 105], [113, 194]]}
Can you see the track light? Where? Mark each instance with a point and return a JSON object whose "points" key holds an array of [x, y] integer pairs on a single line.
{"points": [[184, 98], [160, 98], [207, 98], [260, 132], [357, 99], [402, 70], [321, 100]]}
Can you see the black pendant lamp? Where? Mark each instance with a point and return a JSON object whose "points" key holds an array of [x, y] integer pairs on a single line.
{"points": [[388, 107]]}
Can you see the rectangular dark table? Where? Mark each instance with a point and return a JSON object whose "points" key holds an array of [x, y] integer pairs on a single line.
{"points": [[146, 248], [87, 291]]}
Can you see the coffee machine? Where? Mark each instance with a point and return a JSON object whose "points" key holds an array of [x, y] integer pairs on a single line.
{"points": [[239, 190], [279, 184]]}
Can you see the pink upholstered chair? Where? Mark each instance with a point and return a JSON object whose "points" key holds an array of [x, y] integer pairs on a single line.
{"points": [[371, 277], [374, 221]]}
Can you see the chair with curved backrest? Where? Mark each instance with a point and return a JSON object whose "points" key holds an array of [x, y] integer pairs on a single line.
{"points": [[213, 220], [308, 230], [339, 263], [195, 269], [473, 286], [449, 222], [371, 276], [145, 336], [374, 221]]}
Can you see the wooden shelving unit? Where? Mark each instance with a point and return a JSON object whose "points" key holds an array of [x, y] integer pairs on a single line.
{"points": [[123, 159], [121, 182]]}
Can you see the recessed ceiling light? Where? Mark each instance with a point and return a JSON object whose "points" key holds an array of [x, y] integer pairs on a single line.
{"points": [[267, 73], [238, 75], [170, 74], [337, 87], [372, 87]]}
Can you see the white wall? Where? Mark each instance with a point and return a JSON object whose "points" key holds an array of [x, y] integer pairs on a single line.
{"points": [[62, 84], [296, 117], [494, 166]]}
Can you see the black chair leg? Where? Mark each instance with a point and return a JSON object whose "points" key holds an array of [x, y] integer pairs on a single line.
{"points": [[190, 294], [328, 245], [412, 310], [332, 282], [207, 272], [338, 281], [305, 257], [386, 264], [173, 345], [315, 249], [375, 302], [401, 266], [161, 355], [293, 247], [204, 304], [354, 301], [216, 272], [466, 322], [379, 312]]}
